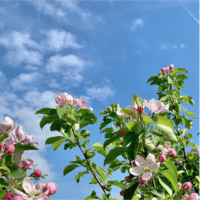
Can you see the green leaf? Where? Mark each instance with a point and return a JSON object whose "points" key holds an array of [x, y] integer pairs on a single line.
{"points": [[5, 162], [46, 111], [157, 138], [170, 165], [167, 133], [149, 145], [164, 121], [62, 111], [92, 196], [2, 193], [47, 119], [134, 126], [191, 114], [147, 120], [131, 144], [51, 140], [85, 133], [101, 173], [99, 149], [81, 137], [80, 175], [116, 136], [128, 112], [131, 189], [188, 100], [17, 173], [164, 182], [158, 192], [3, 183], [58, 143], [116, 183], [107, 130], [178, 70], [137, 99], [105, 123], [113, 154], [169, 80], [24, 147], [171, 178], [87, 119], [56, 126], [69, 168]]}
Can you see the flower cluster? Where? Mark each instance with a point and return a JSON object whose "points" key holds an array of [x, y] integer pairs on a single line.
{"points": [[64, 98], [7, 148], [167, 69]]}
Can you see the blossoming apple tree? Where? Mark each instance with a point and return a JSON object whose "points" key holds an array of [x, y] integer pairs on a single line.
{"points": [[149, 149]]}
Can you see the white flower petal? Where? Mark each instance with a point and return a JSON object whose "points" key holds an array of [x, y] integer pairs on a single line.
{"points": [[39, 187], [20, 193], [28, 185], [140, 160], [147, 175], [154, 167], [150, 160], [136, 170]]}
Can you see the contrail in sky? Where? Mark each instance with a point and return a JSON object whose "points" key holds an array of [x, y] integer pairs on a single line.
{"points": [[189, 12]]}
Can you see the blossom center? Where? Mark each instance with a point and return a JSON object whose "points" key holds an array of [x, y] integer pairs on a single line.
{"points": [[32, 194], [146, 168]]}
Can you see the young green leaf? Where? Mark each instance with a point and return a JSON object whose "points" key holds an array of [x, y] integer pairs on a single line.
{"points": [[69, 168]]}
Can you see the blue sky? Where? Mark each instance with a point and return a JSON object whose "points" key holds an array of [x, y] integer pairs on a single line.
{"points": [[104, 51]]}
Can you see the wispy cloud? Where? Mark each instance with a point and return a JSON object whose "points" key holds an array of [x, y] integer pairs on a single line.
{"points": [[188, 11], [21, 49], [26, 81], [100, 93], [137, 23], [58, 40], [167, 46]]}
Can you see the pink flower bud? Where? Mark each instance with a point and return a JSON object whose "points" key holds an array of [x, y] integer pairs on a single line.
{"points": [[2, 147], [9, 196], [172, 153], [19, 197], [140, 109], [179, 185], [121, 143], [123, 133], [122, 193], [9, 148], [25, 167], [142, 181], [185, 196], [127, 179], [193, 196], [134, 163], [37, 173], [51, 187], [162, 158], [163, 70], [187, 186], [171, 67]]}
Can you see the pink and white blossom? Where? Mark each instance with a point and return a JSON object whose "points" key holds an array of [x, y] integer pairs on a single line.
{"points": [[82, 103], [26, 163], [187, 185], [156, 106], [119, 113], [51, 188], [31, 189], [145, 167], [64, 98], [194, 196], [7, 126]]}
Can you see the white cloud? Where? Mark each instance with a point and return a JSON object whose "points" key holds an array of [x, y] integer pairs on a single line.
{"points": [[2, 79], [26, 81], [49, 9], [99, 93], [69, 66], [167, 46], [20, 49], [136, 23], [59, 39]]}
